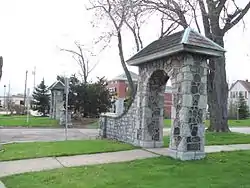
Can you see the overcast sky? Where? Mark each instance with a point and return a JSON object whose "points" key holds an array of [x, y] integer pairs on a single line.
{"points": [[32, 31]]}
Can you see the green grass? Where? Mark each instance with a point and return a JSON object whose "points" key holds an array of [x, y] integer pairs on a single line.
{"points": [[219, 170], [12, 121], [221, 138], [62, 148], [65, 148], [231, 123], [167, 122]]}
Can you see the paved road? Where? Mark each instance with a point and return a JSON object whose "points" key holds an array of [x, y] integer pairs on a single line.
{"points": [[26, 135]]}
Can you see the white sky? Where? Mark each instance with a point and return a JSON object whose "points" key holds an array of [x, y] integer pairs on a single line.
{"points": [[32, 30]]}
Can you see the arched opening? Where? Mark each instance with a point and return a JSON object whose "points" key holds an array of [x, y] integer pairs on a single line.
{"points": [[155, 104]]}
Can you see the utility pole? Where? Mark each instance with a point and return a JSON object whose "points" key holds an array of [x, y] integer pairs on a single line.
{"points": [[34, 77], [4, 97], [25, 88], [8, 99], [28, 104], [66, 106]]}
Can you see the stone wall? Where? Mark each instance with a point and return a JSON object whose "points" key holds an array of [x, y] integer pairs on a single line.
{"points": [[120, 127], [143, 125]]}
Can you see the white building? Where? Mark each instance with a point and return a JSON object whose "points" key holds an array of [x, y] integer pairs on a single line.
{"points": [[15, 99], [240, 86]]}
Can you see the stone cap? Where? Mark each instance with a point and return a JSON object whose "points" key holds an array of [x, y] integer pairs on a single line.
{"points": [[109, 114], [186, 40]]}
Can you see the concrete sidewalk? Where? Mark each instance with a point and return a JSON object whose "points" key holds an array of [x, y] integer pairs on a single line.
{"points": [[32, 165]]}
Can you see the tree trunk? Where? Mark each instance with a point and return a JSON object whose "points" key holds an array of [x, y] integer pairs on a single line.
{"points": [[136, 39], [218, 93], [130, 81]]}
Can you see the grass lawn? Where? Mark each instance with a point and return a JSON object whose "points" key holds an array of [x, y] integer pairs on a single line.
{"points": [[219, 170], [221, 138], [65, 148], [231, 123], [11, 121], [61, 148]]}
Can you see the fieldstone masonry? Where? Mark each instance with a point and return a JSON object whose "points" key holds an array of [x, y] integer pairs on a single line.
{"points": [[189, 108], [142, 124], [56, 102]]}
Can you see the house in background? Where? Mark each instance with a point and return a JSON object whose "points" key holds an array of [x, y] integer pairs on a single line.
{"points": [[168, 101], [17, 99], [240, 86], [118, 87]]}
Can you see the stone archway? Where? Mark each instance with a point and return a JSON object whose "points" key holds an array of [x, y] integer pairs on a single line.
{"points": [[155, 105], [182, 57]]}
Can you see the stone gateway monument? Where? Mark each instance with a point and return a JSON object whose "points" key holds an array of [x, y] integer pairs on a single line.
{"points": [[56, 102], [181, 57]]}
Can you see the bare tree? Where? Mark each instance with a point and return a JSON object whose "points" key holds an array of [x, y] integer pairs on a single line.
{"points": [[120, 13], [137, 16], [82, 61], [216, 22]]}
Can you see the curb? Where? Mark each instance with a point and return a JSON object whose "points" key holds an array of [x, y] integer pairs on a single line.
{"points": [[2, 185]]}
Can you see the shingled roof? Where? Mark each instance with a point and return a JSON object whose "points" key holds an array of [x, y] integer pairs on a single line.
{"points": [[124, 77], [58, 85], [185, 40], [245, 84]]}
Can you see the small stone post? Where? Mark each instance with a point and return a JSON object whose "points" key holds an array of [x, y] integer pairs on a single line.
{"points": [[63, 118], [119, 106]]}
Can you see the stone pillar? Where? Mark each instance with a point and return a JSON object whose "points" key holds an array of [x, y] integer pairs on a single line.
{"points": [[51, 105], [189, 82], [57, 104], [103, 126], [119, 106]]}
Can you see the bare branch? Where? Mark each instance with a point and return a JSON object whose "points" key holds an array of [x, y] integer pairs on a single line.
{"points": [[236, 17], [205, 19], [162, 25], [81, 60], [194, 14], [70, 51], [173, 26], [221, 5], [171, 9], [94, 66]]}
